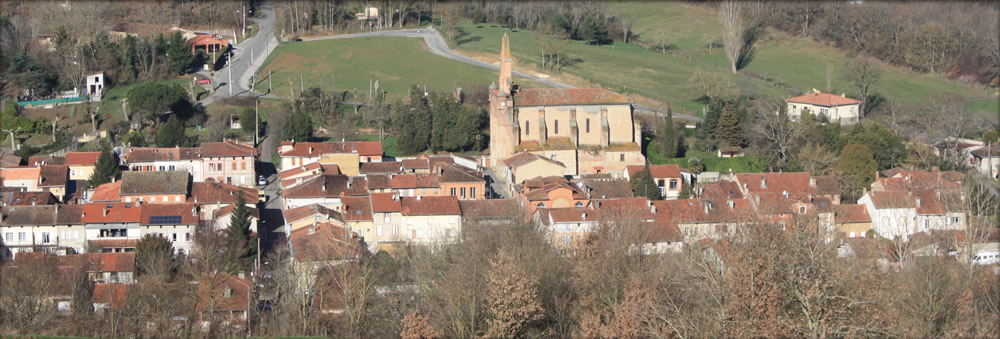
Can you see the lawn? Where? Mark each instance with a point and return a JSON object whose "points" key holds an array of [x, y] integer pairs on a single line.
{"points": [[713, 163], [388, 144], [683, 27], [621, 67], [396, 63]]}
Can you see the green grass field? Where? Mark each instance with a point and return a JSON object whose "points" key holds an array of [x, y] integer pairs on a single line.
{"points": [[713, 163], [685, 27], [396, 62], [620, 67]]}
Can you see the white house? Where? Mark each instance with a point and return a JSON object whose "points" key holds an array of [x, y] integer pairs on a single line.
{"points": [[95, 87], [837, 108]]}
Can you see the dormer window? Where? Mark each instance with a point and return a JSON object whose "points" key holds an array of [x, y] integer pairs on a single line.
{"points": [[802, 210]]}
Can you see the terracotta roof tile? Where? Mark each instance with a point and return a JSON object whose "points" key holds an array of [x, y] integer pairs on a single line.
{"points": [[891, 199], [658, 171], [415, 180], [416, 164], [625, 209], [21, 173], [39, 160], [573, 215], [386, 167], [82, 158], [489, 209], [379, 181], [914, 181], [607, 188], [357, 208], [316, 149], [107, 192], [227, 149], [852, 214], [323, 241], [32, 198], [386, 202], [54, 175], [112, 294], [168, 214], [239, 290], [444, 205], [100, 213], [823, 99], [220, 192], [567, 96], [451, 173], [788, 182], [321, 186], [525, 158], [311, 211]]}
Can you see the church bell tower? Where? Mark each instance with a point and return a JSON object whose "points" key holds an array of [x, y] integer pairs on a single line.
{"points": [[504, 132]]}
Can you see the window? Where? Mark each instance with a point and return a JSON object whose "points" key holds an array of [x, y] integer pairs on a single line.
{"points": [[579, 204], [472, 193], [527, 127], [452, 191], [463, 192], [234, 166], [162, 168], [621, 157], [153, 199], [8, 237], [187, 236], [386, 219], [566, 239], [430, 220], [541, 205], [243, 165], [177, 198], [852, 109], [174, 236], [802, 210], [824, 111], [45, 238], [557, 127], [451, 220], [395, 230], [852, 235], [420, 234], [378, 230], [588, 125], [954, 220], [172, 167], [72, 172], [782, 225], [409, 221], [674, 184]]}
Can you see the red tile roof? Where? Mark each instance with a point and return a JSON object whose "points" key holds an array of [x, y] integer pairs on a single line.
{"points": [[379, 181], [136, 155], [112, 294], [100, 213], [323, 241], [823, 99], [914, 181], [357, 208], [607, 188], [82, 158], [788, 182], [444, 205], [310, 169], [225, 210], [32, 198], [568, 96], [21, 173], [662, 231], [328, 186], [54, 175], [891, 199], [490, 209], [315, 149], [220, 192], [625, 209], [852, 214], [107, 192], [415, 180], [227, 149], [452, 173], [386, 202], [153, 214], [525, 158], [386, 167], [658, 171], [239, 298], [573, 214], [159, 182], [416, 164], [311, 211]]}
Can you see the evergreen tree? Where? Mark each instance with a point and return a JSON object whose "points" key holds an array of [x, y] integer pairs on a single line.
{"points": [[728, 133], [668, 137], [643, 185], [413, 122], [858, 161], [593, 30], [298, 127], [179, 53], [106, 168], [887, 147], [241, 245], [248, 121], [170, 134], [712, 116]]}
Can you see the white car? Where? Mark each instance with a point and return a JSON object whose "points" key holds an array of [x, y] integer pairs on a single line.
{"points": [[261, 180], [987, 258]]}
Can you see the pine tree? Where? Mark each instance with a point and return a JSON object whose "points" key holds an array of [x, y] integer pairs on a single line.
{"points": [[728, 133], [241, 245], [106, 168], [643, 185], [170, 134], [668, 137]]}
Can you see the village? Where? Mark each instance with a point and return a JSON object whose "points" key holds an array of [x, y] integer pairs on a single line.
{"points": [[238, 220]]}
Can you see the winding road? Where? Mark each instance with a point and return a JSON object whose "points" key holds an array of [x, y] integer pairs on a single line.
{"points": [[264, 43]]}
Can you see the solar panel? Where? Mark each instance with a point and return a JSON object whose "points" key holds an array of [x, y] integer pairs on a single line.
{"points": [[165, 219]]}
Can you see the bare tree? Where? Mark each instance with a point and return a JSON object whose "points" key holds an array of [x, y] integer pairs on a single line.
{"points": [[862, 74], [732, 31]]}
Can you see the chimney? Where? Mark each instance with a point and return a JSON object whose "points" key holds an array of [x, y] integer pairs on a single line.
{"points": [[138, 202], [324, 187], [732, 204], [812, 182], [763, 182], [583, 216], [842, 95], [105, 212], [917, 201], [652, 209], [708, 206], [310, 149], [395, 197], [418, 198], [785, 193]]}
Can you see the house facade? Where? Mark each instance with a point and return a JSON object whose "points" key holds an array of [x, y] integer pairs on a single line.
{"points": [[431, 220], [841, 109]]}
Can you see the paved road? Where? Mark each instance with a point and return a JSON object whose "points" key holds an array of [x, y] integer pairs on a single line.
{"points": [[261, 45]]}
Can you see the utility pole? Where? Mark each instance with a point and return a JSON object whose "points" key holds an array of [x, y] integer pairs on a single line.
{"points": [[251, 56], [229, 64], [369, 89], [302, 85], [268, 81], [256, 123], [244, 20]]}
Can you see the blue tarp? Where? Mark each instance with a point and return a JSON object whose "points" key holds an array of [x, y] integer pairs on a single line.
{"points": [[51, 101]]}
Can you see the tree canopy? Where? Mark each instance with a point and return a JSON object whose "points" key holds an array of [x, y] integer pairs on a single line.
{"points": [[241, 244], [106, 168], [171, 134]]}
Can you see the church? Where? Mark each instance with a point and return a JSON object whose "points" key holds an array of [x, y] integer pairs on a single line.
{"points": [[588, 130]]}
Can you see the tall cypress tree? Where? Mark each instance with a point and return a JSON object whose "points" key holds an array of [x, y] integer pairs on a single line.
{"points": [[106, 168], [170, 134], [643, 184], [728, 132], [240, 243], [668, 136]]}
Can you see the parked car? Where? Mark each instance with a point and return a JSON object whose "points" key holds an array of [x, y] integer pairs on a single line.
{"points": [[261, 180], [261, 197], [205, 81], [986, 258]]}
